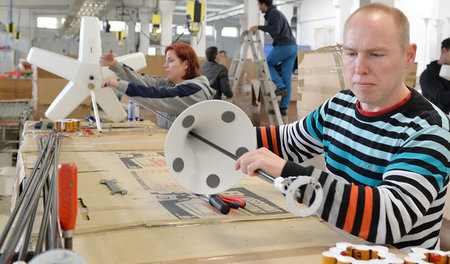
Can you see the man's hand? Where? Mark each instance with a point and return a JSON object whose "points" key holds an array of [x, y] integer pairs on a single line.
{"points": [[263, 159], [110, 82], [107, 59], [253, 29]]}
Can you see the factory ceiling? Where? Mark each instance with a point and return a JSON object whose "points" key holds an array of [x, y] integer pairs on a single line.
{"points": [[227, 12]]}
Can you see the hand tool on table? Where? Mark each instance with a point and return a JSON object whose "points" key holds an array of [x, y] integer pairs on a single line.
{"points": [[67, 200], [233, 201], [216, 201], [111, 184], [87, 131]]}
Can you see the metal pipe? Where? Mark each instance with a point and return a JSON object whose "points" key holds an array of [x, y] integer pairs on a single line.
{"points": [[23, 219], [55, 238], [24, 251], [43, 230], [24, 194], [30, 198], [229, 154]]}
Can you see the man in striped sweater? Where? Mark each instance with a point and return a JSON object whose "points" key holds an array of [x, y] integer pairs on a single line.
{"points": [[386, 148]]}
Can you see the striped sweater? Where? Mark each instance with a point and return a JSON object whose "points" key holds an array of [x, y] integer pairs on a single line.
{"points": [[387, 175]]}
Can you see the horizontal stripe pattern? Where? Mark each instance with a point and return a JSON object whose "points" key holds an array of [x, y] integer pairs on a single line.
{"points": [[386, 176]]}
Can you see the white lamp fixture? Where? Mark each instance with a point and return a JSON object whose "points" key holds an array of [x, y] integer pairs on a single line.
{"points": [[85, 75]]}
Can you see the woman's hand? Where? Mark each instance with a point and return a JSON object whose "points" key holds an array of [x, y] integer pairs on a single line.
{"points": [[262, 159], [107, 59], [110, 82], [253, 29]]}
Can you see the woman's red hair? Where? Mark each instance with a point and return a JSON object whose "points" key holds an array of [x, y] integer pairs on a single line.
{"points": [[186, 53]]}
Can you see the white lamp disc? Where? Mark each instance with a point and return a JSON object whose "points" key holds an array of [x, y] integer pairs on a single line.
{"points": [[197, 166], [291, 196]]}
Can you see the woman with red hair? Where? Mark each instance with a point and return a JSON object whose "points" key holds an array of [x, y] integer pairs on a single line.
{"points": [[183, 86]]}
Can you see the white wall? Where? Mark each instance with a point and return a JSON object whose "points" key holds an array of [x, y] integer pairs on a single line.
{"points": [[315, 16], [428, 27], [19, 47]]}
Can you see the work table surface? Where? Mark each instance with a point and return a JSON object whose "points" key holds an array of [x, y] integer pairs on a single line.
{"points": [[158, 221]]}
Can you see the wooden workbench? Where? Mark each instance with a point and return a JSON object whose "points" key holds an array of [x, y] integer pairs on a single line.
{"points": [[157, 221]]}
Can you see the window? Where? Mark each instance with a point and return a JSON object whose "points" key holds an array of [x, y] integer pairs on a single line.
{"points": [[229, 32], [137, 27], [117, 25], [209, 30], [151, 51], [47, 22], [181, 29]]}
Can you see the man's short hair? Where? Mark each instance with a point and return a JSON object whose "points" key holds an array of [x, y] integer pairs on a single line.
{"points": [[223, 51], [267, 2], [211, 53], [445, 44], [400, 20]]}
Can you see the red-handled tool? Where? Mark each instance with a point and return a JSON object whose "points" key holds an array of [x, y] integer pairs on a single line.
{"points": [[67, 200], [233, 201]]}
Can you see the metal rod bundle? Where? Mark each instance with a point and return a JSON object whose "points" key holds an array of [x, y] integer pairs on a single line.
{"points": [[42, 182]]}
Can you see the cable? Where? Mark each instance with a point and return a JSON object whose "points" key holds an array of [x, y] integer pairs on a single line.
{"points": [[182, 33], [200, 31]]}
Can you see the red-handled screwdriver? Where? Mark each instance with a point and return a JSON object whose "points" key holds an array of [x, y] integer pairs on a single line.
{"points": [[67, 200]]}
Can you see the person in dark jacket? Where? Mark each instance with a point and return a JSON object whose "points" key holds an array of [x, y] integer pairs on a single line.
{"points": [[284, 50], [216, 73], [434, 87]]}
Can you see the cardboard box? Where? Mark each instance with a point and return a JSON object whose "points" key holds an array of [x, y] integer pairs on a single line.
{"points": [[155, 65], [79, 112], [41, 73], [320, 77], [7, 96], [16, 88], [256, 93], [410, 77], [46, 90]]}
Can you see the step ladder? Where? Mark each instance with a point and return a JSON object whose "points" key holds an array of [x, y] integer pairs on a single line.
{"points": [[262, 68]]}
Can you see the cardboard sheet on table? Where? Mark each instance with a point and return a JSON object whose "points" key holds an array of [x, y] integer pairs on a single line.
{"points": [[154, 197], [142, 141], [297, 240]]}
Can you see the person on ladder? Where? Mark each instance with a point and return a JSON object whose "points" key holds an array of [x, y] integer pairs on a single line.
{"points": [[284, 50]]}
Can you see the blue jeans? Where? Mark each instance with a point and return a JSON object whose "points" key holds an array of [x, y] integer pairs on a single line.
{"points": [[286, 55]]}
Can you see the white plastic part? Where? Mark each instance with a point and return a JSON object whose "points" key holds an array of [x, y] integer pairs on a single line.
{"points": [[134, 60], [97, 116], [83, 73], [197, 166], [58, 256], [291, 196], [282, 184], [445, 71]]}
